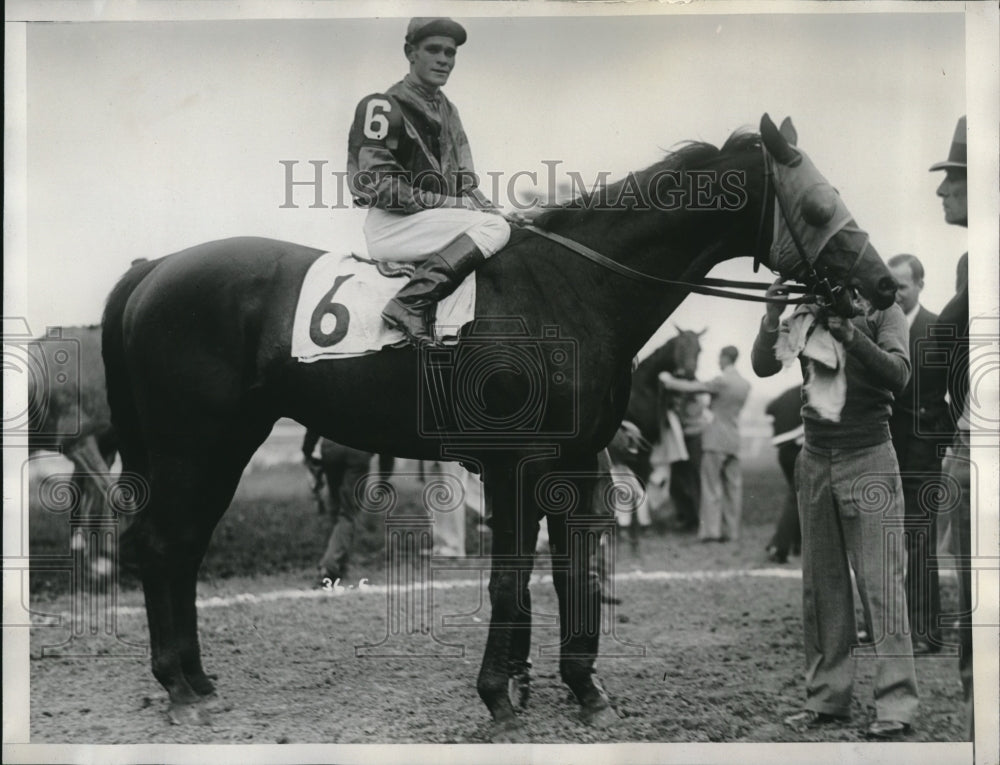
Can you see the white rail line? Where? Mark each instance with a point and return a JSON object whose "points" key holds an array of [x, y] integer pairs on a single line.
{"points": [[226, 601]]}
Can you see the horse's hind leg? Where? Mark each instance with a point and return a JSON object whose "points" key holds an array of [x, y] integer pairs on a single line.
{"points": [[191, 486]]}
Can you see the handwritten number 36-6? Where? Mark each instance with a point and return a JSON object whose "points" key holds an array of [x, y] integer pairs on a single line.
{"points": [[326, 307]]}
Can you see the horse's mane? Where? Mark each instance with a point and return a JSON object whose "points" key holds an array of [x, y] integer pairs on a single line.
{"points": [[690, 155]]}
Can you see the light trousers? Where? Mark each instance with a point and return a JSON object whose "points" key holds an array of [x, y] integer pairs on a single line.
{"points": [[721, 496], [957, 470], [851, 507], [403, 238]]}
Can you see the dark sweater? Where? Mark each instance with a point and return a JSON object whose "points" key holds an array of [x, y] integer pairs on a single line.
{"points": [[877, 367]]}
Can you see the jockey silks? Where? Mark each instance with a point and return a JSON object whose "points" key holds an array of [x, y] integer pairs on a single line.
{"points": [[407, 150]]}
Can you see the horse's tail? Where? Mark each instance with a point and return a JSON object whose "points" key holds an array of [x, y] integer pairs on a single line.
{"points": [[124, 414]]}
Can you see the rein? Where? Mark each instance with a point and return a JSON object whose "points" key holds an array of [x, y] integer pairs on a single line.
{"points": [[711, 286], [707, 286]]}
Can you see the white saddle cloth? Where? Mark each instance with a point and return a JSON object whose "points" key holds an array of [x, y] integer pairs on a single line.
{"points": [[347, 321]]}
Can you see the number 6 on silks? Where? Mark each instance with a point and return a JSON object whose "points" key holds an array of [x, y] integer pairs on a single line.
{"points": [[376, 119], [326, 307]]}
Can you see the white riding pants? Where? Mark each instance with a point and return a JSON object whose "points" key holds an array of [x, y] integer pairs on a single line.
{"points": [[395, 237]]}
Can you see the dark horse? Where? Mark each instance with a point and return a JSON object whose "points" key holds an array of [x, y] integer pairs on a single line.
{"points": [[197, 352], [648, 401]]}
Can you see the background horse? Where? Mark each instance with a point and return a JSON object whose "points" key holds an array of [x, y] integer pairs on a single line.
{"points": [[648, 401], [68, 413], [197, 353]]}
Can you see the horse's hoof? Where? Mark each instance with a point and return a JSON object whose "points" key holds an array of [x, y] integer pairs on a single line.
{"points": [[508, 732], [213, 702], [603, 717], [196, 713], [202, 685]]}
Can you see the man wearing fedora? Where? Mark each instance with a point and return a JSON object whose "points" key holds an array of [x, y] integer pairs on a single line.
{"points": [[953, 343], [409, 162]]}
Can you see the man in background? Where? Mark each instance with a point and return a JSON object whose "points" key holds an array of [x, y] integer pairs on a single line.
{"points": [[919, 415], [953, 344], [685, 476], [721, 477], [346, 472], [786, 419]]}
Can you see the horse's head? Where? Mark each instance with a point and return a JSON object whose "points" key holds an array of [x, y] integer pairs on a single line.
{"points": [[816, 240], [683, 351]]}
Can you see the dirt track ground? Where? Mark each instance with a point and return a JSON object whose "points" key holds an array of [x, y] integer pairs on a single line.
{"points": [[723, 663], [719, 630]]}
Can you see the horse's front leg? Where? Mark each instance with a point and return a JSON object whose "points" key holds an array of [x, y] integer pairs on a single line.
{"points": [[574, 538], [519, 663], [509, 638]]}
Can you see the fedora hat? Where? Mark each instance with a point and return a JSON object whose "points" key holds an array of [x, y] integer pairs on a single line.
{"points": [[421, 27], [956, 155]]}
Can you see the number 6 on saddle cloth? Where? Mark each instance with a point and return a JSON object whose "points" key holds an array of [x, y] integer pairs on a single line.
{"points": [[338, 312]]}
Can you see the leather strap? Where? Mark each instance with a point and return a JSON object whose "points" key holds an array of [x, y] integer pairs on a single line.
{"points": [[707, 286]]}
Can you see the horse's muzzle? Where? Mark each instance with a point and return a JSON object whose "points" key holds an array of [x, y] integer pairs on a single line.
{"points": [[885, 294]]}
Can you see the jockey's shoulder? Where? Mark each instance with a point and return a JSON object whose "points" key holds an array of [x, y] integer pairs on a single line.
{"points": [[378, 119], [384, 100]]}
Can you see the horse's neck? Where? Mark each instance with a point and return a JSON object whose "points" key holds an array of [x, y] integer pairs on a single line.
{"points": [[634, 309]]}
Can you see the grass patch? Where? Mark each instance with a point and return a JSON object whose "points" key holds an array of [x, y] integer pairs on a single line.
{"points": [[273, 526]]}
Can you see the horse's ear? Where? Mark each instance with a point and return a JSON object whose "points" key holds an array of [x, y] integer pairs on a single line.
{"points": [[788, 130], [777, 144], [677, 327], [703, 332]]}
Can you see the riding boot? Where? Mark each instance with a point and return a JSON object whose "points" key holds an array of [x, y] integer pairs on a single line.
{"points": [[411, 310]]}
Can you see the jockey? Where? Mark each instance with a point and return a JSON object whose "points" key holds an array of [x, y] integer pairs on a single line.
{"points": [[409, 162]]}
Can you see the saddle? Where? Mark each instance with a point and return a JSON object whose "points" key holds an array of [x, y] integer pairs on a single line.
{"points": [[388, 268]]}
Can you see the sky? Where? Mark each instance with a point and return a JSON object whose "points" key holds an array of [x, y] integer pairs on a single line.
{"points": [[147, 137]]}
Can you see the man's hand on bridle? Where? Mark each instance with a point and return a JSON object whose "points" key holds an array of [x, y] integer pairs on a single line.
{"points": [[774, 310], [842, 329]]}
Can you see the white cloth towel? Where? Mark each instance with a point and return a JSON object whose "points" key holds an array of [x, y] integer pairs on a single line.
{"points": [[825, 386]]}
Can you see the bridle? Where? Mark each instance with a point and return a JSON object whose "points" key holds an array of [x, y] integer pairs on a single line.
{"points": [[826, 294], [819, 290]]}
